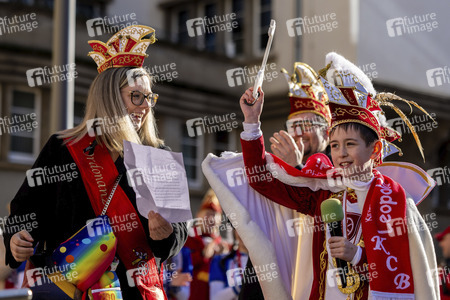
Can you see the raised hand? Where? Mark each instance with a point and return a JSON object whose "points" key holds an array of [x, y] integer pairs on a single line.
{"points": [[284, 146], [251, 113], [181, 279]]}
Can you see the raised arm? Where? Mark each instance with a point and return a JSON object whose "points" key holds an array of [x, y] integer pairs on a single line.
{"points": [[300, 199]]}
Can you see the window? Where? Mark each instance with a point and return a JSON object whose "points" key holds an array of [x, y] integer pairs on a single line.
{"points": [[78, 112], [238, 32], [208, 26], [182, 33], [210, 35], [84, 8], [265, 16], [440, 194], [262, 15], [22, 126], [224, 141], [1, 119], [192, 149]]}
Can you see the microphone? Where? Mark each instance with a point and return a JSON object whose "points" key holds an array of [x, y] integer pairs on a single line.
{"points": [[333, 214]]}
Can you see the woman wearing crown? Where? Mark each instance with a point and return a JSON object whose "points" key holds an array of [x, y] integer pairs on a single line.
{"points": [[120, 100]]}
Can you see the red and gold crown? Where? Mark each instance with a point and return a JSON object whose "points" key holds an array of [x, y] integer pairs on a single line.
{"points": [[352, 99], [306, 92], [126, 48]]}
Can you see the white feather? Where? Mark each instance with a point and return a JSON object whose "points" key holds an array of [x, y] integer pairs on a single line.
{"points": [[381, 118], [340, 63]]}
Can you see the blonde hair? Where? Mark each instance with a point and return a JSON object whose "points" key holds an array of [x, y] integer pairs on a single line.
{"points": [[105, 102]]}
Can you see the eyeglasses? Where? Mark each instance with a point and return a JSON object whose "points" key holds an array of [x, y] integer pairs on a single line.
{"points": [[300, 127], [137, 98]]}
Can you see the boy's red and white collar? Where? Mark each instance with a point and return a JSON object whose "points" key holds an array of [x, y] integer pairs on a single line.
{"points": [[317, 174]]}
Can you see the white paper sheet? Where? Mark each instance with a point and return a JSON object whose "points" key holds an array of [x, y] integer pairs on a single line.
{"points": [[159, 180]]}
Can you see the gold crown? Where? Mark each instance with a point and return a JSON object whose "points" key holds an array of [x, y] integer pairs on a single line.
{"points": [[126, 48], [303, 83], [306, 92]]}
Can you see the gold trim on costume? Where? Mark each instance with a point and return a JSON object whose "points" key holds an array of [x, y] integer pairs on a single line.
{"points": [[335, 123], [360, 292], [361, 243], [307, 111], [323, 266], [410, 168], [353, 280]]}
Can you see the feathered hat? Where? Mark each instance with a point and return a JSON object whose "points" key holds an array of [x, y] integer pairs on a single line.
{"points": [[353, 99], [306, 92], [126, 48]]}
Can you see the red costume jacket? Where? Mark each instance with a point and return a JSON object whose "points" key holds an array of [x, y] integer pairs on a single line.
{"points": [[302, 200]]}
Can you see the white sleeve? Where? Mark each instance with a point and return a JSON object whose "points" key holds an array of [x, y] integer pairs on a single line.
{"points": [[252, 131], [218, 291], [357, 256], [421, 250]]}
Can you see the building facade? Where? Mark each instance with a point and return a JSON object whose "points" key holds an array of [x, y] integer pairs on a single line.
{"points": [[207, 54]]}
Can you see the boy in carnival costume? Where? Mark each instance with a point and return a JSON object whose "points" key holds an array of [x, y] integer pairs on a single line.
{"points": [[374, 204]]}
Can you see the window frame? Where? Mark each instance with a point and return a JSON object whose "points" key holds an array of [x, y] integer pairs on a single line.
{"points": [[22, 157], [174, 23], [231, 145], [202, 41], [199, 141], [257, 30], [229, 36]]}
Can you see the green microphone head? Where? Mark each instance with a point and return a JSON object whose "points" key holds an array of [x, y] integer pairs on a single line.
{"points": [[331, 210]]}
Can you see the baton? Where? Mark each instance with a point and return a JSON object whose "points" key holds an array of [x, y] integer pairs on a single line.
{"points": [[260, 77]]}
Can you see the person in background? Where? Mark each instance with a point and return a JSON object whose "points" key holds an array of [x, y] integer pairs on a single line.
{"points": [[444, 271], [204, 242], [178, 275], [226, 272], [308, 120], [9, 278]]}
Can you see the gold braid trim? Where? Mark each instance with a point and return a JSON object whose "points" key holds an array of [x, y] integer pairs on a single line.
{"points": [[323, 266], [336, 123], [408, 123], [385, 98], [323, 72], [361, 242], [153, 38], [360, 292], [400, 152]]}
